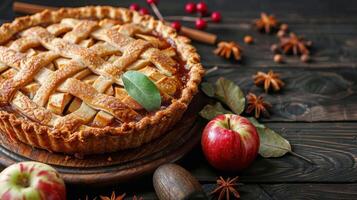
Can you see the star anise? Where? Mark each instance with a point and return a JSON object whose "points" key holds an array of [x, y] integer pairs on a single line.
{"points": [[294, 44], [257, 105], [137, 198], [266, 23], [226, 188], [228, 49], [113, 197], [269, 80]]}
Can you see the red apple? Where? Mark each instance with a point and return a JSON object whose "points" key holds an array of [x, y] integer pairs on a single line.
{"points": [[230, 142], [31, 181]]}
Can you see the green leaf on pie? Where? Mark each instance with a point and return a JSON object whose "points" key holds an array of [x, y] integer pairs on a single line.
{"points": [[230, 94], [271, 143], [208, 89], [211, 111], [142, 89]]}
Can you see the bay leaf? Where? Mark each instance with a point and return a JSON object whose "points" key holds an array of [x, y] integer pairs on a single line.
{"points": [[211, 111], [256, 123], [208, 89], [271, 143], [142, 89], [230, 94]]}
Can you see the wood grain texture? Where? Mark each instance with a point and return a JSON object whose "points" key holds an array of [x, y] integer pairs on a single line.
{"points": [[293, 191], [331, 146], [328, 94], [311, 191], [332, 47], [323, 90]]}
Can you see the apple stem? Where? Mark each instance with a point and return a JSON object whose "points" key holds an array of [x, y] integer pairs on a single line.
{"points": [[302, 157], [229, 123], [23, 181]]}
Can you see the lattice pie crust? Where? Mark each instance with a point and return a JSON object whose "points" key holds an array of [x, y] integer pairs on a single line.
{"points": [[60, 79]]}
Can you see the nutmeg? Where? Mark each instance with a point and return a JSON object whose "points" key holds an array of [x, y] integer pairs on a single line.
{"points": [[284, 27], [278, 58], [248, 39], [174, 182], [274, 48], [305, 58], [281, 33]]}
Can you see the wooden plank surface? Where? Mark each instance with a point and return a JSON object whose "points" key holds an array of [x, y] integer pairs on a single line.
{"points": [[316, 111], [334, 43], [311, 191], [331, 146], [310, 94], [293, 191]]}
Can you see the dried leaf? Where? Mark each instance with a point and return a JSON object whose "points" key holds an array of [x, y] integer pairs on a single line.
{"points": [[230, 94], [208, 89], [142, 89], [271, 143], [256, 123], [209, 111]]}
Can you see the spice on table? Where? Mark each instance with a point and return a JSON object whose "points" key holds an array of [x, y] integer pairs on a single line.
{"points": [[266, 23], [305, 58], [248, 39], [294, 44], [137, 198], [281, 33], [113, 197], [274, 48], [257, 105], [228, 50], [278, 58], [226, 188], [269, 80], [284, 27]]}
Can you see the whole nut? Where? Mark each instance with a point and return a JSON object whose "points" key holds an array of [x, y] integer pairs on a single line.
{"points": [[248, 39], [171, 181], [284, 27], [281, 33], [305, 58], [274, 48], [278, 58]]}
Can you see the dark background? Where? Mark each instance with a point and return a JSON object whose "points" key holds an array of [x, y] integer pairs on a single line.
{"points": [[316, 111]]}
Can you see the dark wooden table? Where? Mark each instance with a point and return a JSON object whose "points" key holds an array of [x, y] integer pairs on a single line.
{"points": [[316, 111]]}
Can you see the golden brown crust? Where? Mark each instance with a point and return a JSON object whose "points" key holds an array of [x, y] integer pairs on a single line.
{"points": [[91, 140]]}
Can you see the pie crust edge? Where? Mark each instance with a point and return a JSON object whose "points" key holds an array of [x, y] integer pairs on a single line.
{"points": [[107, 139]]}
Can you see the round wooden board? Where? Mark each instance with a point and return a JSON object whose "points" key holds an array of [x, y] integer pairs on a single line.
{"points": [[115, 167]]}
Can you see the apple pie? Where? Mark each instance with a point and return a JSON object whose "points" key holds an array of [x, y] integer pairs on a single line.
{"points": [[60, 79]]}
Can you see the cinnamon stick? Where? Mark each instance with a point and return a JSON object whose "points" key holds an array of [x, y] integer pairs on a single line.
{"points": [[28, 8], [194, 34], [198, 35]]}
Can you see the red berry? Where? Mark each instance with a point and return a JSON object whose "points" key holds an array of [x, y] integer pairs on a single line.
{"points": [[216, 16], [190, 7], [201, 23], [134, 6], [176, 25], [202, 7], [144, 11], [151, 1]]}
